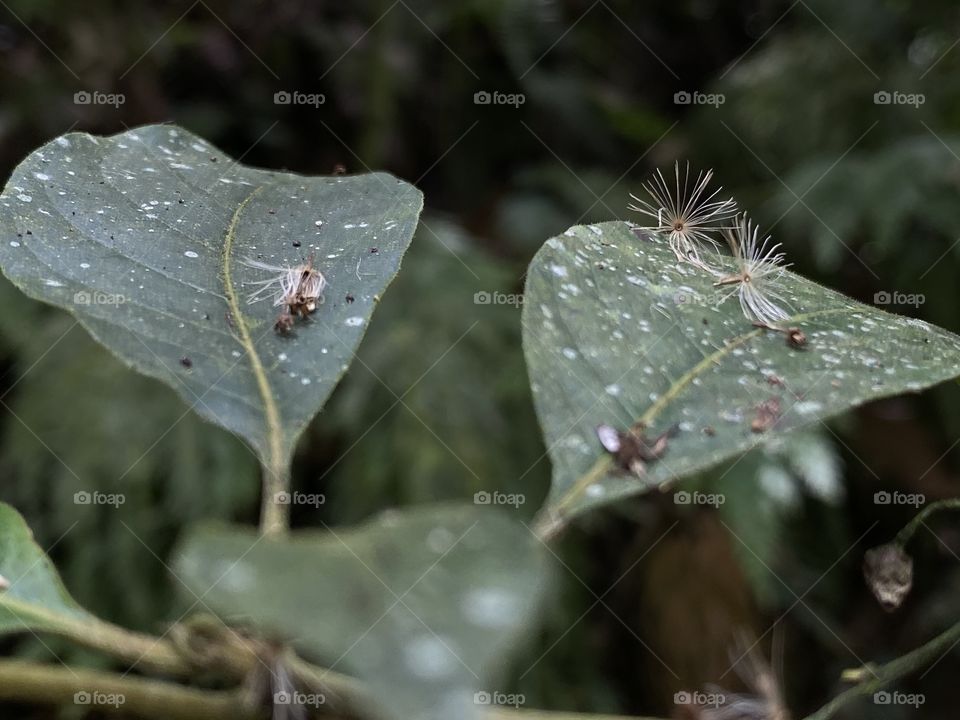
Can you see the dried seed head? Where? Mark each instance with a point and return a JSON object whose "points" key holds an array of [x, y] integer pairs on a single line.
{"points": [[759, 267], [686, 215], [301, 285], [888, 571]]}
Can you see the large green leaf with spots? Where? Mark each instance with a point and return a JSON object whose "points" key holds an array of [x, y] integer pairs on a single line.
{"points": [[616, 331], [146, 237], [422, 605]]}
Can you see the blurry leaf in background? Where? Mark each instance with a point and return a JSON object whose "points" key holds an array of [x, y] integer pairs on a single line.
{"points": [[421, 604], [437, 404], [79, 425], [148, 238], [767, 491], [31, 594]]}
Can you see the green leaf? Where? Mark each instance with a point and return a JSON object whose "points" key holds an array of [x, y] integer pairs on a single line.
{"points": [[31, 594], [421, 604], [143, 237], [616, 331]]}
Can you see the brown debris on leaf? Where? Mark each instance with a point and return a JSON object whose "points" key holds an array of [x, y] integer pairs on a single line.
{"points": [[631, 450], [796, 338], [767, 414], [888, 571]]}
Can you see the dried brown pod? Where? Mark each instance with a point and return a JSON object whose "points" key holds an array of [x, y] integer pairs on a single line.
{"points": [[888, 571]]}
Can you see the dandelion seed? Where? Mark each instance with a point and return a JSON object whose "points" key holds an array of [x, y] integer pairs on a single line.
{"points": [[760, 266], [686, 215]]}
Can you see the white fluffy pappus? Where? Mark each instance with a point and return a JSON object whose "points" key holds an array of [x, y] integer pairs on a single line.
{"points": [[760, 266], [686, 214]]}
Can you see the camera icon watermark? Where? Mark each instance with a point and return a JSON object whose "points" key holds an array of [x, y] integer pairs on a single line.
{"points": [[84, 497], [514, 700], [699, 699], [686, 97], [914, 500], [295, 97], [313, 700], [885, 697], [299, 498], [85, 297], [686, 297], [484, 497], [485, 97], [497, 298], [95, 97], [99, 699], [685, 497], [896, 297], [895, 97]]}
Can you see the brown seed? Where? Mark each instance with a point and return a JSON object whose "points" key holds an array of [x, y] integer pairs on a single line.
{"points": [[284, 323], [796, 338]]}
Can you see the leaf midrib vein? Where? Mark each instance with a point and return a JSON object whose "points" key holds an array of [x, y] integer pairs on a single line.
{"points": [[275, 463]]}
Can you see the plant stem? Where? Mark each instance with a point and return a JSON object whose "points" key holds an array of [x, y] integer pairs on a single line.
{"points": [[26, 682], [146, 651], [275, 516], [931, 652], [903, 537]]}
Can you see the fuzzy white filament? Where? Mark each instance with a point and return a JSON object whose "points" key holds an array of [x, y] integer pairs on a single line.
{"points": [[686, 215], [287, 283], [760, 266]]}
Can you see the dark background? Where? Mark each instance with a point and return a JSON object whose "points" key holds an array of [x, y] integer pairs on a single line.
{"points": [[863, 195]]}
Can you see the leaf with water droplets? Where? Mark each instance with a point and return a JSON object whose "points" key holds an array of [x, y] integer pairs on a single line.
{"points": [[144, 237], [422, 605], [617, 332]]}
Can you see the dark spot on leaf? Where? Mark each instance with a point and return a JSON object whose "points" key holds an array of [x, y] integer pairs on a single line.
{"points": [[186, 362]]}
